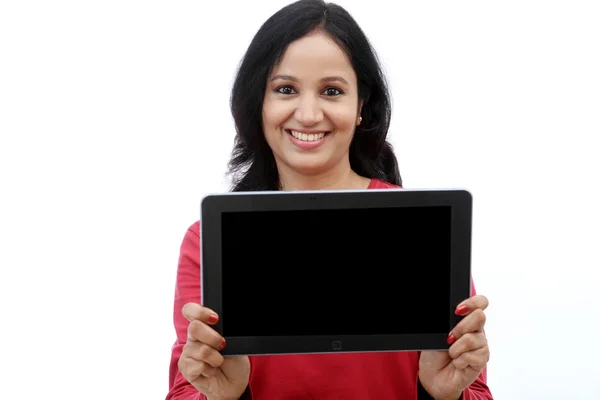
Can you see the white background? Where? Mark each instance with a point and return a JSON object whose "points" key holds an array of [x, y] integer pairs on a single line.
{"points": [[114, 122]]}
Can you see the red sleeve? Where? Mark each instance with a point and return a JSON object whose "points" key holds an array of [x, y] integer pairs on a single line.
{"points": [[187, 289]]}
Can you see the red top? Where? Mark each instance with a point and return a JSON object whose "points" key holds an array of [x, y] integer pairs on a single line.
{"points": [[385, 376]]}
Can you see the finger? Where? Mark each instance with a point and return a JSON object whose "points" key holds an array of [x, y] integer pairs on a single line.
{"points": [[193, 370], [200, 332], [209, 372], [478, 302], [476, 360], [474, 322], [203, 352], [192, 311], [467, 343]]}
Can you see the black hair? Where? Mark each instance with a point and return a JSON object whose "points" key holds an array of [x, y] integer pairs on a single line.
{"points": [[252, 164]]}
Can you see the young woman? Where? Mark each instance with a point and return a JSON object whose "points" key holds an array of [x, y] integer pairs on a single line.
{"points": [[312, 111]]}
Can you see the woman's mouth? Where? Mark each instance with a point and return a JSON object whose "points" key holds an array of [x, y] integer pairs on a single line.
{"points": [[306, 137], [307, 140]]}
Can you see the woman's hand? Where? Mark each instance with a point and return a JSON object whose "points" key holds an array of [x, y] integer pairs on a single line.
{"points": [[213, 375], [445, 374]]}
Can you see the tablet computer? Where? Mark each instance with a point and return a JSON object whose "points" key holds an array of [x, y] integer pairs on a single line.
{"points": [[335, 271]]}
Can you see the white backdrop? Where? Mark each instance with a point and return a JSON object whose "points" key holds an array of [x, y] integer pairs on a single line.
{"points": [[114, 122]]}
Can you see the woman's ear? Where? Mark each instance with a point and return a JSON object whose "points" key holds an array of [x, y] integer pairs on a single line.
{"points": [[358, 115]]}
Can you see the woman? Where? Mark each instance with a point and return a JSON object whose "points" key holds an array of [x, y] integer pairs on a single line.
{"points": [[312, 112]]}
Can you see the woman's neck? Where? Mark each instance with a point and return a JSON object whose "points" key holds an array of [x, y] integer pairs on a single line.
{"points": [[335, 179]]}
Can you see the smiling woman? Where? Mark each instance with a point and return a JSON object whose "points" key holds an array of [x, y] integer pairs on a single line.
{"points": [[312, 111], [311, 71]]}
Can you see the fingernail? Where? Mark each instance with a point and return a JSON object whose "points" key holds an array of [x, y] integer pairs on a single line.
{"points": [[213, 318], [460, 310], [451, 339], [223, 345]]}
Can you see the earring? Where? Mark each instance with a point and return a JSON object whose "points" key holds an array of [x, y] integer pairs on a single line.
{"points": [[359, 119]]}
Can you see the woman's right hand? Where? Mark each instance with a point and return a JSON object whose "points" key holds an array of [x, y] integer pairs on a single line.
{"points": [[201, 363]]}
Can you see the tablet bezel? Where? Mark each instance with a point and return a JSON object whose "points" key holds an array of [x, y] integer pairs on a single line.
{"points": [[212, 206]]}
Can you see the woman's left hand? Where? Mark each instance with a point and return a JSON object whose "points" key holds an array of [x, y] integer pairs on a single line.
{"points": [[445, 374]]}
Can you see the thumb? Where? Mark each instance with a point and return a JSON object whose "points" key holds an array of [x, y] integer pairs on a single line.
{"points": [[434, 359], [236, 365]]}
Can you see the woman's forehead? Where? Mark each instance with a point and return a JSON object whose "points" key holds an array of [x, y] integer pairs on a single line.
{"points": [[315, 56]]}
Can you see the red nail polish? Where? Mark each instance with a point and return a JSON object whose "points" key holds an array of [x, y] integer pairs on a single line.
{"points": [[451, 339], [213, 318], [461, 310], [223, 345]]}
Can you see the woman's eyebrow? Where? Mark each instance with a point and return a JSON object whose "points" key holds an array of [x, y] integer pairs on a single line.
{"points": [[334, 79], [323, 80], [284, 78]]}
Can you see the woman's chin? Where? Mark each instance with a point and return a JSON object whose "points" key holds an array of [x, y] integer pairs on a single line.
{"points": [[308, 165]]}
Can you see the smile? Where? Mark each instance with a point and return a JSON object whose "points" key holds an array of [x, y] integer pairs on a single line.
{"points": [[307, 140], [306, 137]]}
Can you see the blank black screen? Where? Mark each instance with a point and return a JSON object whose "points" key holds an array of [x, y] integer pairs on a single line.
{"points": [[336, 272]]}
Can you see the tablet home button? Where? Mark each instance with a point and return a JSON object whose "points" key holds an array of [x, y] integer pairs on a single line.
{"points": [[337, 345]]}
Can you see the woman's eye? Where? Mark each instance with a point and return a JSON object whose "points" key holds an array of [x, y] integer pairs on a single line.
{"points": [[332, 92], [285, 90]]}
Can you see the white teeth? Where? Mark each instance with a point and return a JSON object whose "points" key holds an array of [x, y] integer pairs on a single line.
{"points": [[307, 137]]}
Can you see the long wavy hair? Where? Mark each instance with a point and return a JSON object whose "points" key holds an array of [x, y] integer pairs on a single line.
{"points": [[252, 164]]}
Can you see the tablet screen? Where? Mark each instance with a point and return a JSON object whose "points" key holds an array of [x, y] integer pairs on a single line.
{"points": [[378, 271]]}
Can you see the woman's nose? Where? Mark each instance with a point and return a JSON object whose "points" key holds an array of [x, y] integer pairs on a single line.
{"points": [[309, 111]]}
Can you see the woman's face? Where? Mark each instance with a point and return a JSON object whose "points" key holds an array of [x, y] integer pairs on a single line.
{"points": [[311, 107]]}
